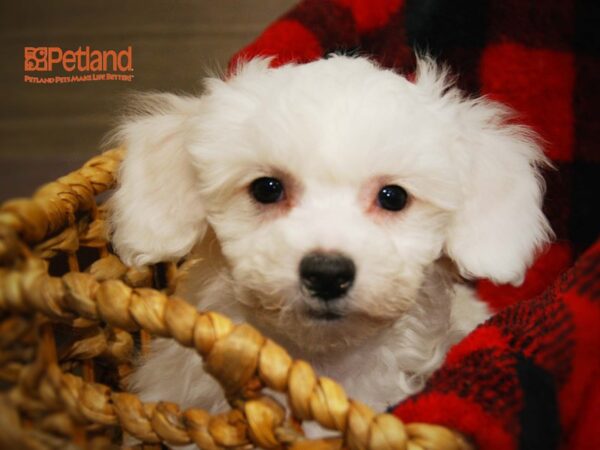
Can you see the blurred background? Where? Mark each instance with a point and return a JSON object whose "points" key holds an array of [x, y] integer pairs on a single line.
{"points": [[48, 130]]}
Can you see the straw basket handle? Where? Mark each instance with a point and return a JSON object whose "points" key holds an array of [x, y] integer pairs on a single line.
{"points": [[241, 359]]}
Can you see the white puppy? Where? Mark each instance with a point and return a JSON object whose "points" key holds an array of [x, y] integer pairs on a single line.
{"points": [[327, 202]]}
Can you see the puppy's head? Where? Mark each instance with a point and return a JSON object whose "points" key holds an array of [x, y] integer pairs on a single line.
{"points": [[332, 187]]}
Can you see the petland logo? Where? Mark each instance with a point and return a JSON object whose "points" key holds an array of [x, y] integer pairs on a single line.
{"points": [[83, 64]]}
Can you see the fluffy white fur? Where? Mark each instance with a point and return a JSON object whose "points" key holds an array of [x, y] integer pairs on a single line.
{"points": [[334, 131]]}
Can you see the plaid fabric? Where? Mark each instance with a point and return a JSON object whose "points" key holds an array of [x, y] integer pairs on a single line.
{"points": [[528, 378]]}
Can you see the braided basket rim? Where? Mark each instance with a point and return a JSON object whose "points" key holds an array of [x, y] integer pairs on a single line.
{"points": [[26, 285]]}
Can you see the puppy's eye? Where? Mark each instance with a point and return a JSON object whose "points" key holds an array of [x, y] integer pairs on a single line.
{"points": [[392, 197], [267, 190]]}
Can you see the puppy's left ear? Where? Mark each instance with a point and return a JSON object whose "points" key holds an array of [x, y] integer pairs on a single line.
{"points": [[499, 226], [156, 212]]}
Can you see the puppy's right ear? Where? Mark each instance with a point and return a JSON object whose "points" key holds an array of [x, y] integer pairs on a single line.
{"points": [[156, 212]]}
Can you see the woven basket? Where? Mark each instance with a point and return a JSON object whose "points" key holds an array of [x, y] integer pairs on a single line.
{"points": [[73, 317]]}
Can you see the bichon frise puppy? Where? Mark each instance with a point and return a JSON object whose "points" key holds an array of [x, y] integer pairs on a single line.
{"points": [[331, 205]]}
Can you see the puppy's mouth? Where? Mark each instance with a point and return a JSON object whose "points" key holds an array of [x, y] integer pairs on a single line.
{"points": [[325, 315]]}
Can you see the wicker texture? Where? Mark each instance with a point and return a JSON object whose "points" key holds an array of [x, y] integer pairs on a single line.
{"points": [[53, 396]]}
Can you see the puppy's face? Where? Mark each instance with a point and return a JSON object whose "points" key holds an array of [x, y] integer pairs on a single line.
{"points": [[332, 187], [328, 200]]}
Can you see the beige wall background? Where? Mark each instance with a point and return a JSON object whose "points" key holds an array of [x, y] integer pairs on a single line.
{"points": [[47, 130]]}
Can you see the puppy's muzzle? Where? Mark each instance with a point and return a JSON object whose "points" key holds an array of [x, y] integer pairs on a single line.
{"points": [[327, 276]]}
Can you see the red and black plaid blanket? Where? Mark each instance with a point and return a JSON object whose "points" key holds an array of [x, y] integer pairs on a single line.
{"points": [[528, 378]]}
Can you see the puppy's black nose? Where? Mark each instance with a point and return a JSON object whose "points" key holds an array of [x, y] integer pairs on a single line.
{"points": [[327, 276]]}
